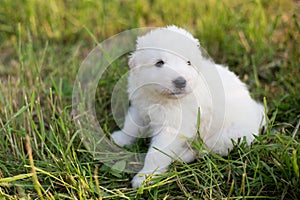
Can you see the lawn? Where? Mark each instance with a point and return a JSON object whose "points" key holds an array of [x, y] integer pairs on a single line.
{"points": [[42, 45]]}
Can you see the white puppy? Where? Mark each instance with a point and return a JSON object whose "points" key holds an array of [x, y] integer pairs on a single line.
{"points": [[169, 82]]}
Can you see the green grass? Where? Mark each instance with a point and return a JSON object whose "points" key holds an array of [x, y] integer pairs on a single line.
{"points": [[42, 44]]}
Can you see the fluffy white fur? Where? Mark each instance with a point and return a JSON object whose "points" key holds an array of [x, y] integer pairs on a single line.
{"points": [[170, 108]]}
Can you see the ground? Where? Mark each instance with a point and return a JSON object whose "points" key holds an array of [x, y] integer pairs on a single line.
{"points": [[42, 44]]}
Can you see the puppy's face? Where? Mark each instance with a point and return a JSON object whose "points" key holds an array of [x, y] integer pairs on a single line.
{"points": [[162, 72]]}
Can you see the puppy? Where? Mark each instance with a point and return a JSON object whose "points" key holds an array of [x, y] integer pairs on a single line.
{"points": [[171, 85]]}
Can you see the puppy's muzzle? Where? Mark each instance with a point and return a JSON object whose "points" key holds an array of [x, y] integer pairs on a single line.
{"points": [[179, 82]]}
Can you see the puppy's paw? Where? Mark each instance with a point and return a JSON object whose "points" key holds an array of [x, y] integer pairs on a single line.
{"points": [[121, 138], [138, 180]]}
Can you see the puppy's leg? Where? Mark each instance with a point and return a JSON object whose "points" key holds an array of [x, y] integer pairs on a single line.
{"points": [[164, 147], [133, 125], [188, 156]]}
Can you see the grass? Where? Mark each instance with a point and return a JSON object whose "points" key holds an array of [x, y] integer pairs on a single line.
{"points": [[42, 44]]}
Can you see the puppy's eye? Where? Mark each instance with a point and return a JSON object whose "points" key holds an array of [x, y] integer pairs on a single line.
{"points": [[159, 63], [189, 62]]}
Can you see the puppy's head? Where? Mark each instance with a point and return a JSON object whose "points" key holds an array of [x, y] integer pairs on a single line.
{"points": [[163, 62]]}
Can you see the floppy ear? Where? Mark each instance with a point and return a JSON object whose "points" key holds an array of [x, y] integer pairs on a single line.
{"points": [[132, 61]]}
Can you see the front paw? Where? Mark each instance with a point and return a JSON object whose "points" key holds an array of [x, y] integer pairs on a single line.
{"points": [[121, 138], [138, 180]]}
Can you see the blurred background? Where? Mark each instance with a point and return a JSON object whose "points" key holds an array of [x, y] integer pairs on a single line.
{"points": [[258, 39]]}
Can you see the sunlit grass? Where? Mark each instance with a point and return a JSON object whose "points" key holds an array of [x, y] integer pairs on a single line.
{"points": [[42, 44]]}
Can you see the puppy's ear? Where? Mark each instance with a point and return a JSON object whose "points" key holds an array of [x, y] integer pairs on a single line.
{"points": [[132, 61]]}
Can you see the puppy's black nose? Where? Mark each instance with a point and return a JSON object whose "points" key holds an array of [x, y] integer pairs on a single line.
{"points": [[179, 82]]}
